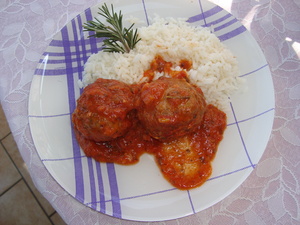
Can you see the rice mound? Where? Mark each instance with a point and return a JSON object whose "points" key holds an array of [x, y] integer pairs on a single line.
{"points": [[214, 67]]}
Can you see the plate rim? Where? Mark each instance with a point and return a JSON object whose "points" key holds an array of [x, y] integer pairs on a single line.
{"points": [[34, 141]]}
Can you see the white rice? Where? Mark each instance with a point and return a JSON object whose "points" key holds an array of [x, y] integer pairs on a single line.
{"points": [[214, 67]]}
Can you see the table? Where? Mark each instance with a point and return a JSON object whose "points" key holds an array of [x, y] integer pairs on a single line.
{"points": [[270, 195]]}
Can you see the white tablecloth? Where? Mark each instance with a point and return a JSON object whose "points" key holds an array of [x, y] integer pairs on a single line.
{"points": [[271, 195]]}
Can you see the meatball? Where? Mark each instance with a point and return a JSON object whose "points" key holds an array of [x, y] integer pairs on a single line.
{"points": [[104, 110], [170, 107]]}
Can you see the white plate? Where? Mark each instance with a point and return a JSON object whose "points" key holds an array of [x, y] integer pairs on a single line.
{"points": [[139, 192]]}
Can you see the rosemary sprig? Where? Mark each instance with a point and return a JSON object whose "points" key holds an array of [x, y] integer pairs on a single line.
{"points": [[117, 38]]}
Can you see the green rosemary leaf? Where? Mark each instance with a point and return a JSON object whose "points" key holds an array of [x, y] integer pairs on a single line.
{"points": [[117, 38]]}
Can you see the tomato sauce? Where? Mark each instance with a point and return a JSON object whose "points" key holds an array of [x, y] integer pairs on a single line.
{"points": [[184, 161], [124, 150], [160, 65]]}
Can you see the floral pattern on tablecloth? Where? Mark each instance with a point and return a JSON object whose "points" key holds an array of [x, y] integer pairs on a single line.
{"points": [[271, 194]]}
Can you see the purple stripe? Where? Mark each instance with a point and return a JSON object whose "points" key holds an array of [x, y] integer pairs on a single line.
{"points": [[246, 74], [74, 43], [173, 189], [241, 136], [72, 104], [235, 171], [250, 118], [214, 11], [55, 61], [80, 62], [83, 43], [114, 191], [203, 14], [101, 188], [146, 14], [77, 53], [191, 201], [234, 20], [149, 194], [232, 34], [219, 20], [62, 159], [57, 115], [92, 183], [92, 41], [110, 167], [61, 43], [57, 72], [140, 196], [83, 46], [61, 54], [58, 43], [79, 69], [52, 60]]}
